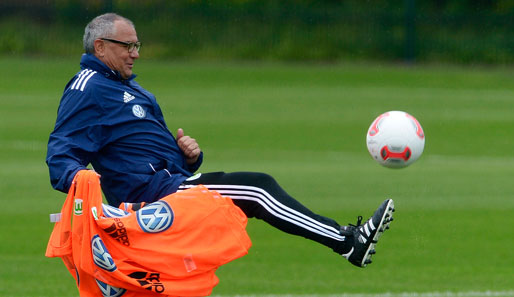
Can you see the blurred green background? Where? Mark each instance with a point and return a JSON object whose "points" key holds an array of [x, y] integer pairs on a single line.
{"points": [[290, 88], [455, 31]]}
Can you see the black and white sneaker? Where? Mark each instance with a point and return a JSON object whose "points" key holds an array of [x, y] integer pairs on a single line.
{"points": [[363, 238]]}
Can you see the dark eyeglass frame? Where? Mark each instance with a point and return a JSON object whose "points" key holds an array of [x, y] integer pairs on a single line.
{"points": [[130, 45]]}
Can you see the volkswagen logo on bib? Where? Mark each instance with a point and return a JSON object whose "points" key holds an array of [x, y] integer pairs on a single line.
{"points": [[101, 255], [155, 217], [113, 212], [108, 290]]}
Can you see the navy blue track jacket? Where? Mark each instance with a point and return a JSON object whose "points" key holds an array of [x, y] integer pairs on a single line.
{"points": [[118, 127]]}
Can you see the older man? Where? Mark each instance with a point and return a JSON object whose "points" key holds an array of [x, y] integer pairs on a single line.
{"points": [[109, 121]]}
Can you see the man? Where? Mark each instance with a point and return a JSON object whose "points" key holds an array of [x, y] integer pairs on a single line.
{"points": [[108, 120]]}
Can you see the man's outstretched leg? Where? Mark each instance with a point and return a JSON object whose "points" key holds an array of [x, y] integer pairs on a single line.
{"points": [[260, 196]]}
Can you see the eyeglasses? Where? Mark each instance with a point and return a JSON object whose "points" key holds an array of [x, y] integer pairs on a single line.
{"points": [[130, 45]]}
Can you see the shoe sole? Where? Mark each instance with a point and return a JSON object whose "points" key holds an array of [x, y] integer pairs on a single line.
{"points": [[384, 225]]}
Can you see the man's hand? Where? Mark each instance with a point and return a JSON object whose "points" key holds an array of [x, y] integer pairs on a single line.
{"points": [[189, 146]]}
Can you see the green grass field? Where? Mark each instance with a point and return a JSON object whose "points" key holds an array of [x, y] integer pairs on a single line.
{"points": [[305, 125]]}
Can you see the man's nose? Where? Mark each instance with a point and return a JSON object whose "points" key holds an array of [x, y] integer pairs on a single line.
{"points": [[134, 54]]}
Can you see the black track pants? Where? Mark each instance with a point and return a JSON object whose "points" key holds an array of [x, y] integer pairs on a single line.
{"points": [[260, 196]]}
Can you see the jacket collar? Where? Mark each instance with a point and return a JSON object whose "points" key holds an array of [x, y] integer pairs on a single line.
{"points": [[90, 61]]}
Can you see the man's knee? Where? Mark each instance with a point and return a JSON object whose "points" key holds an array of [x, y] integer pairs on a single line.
{"points": [[261, 180]]}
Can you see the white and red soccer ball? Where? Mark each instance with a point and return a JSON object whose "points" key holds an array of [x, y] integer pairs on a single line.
{"points": [[395, 139]]}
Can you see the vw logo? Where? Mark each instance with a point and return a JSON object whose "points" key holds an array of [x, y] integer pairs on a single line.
{"points": [[113, 212], [155, 217], [108, 290], [101, 255], [138, 111]]}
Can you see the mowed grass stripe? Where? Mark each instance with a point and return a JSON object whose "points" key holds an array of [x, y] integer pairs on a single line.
{"points": [[491, 293]]}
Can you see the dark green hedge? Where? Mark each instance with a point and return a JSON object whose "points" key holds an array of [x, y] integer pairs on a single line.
{"points": [[308, 30]]}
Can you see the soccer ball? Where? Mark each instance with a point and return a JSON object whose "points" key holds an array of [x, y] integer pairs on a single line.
{"points": [[395, 139]]}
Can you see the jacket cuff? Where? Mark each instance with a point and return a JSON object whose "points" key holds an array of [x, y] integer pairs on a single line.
{"points": [[194, 167]]}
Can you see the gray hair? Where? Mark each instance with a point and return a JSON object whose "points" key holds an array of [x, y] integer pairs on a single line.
{"points": [[101, 26]]}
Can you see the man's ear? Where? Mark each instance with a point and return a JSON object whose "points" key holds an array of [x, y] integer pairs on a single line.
{"points": [[99, 47]]}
